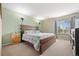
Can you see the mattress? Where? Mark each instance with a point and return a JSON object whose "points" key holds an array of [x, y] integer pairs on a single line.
{"points": [[40, 35]]}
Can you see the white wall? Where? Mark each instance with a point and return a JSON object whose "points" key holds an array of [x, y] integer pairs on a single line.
{"points": [[0, 34], [0, 29]]}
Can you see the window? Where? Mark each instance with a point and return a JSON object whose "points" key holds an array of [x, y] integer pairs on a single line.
{"points": [[63, 26], [76, 22]]}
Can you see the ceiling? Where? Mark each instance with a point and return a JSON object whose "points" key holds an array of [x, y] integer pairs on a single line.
{"points": [[43, 10]]}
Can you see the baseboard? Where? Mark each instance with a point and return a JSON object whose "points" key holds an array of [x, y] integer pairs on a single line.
{"points": [[6, 44]]}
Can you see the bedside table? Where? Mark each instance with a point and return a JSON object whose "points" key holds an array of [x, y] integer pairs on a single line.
{"points": [[15, 38]]}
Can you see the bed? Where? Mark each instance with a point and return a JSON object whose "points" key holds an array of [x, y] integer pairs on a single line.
{"points": [[40, 41]]}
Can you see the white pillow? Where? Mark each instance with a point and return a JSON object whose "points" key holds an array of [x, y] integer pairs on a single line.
{"points": [[37, 31], [29, 31]]}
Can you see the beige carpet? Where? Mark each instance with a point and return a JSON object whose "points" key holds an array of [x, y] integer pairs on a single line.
{"points": [[21, 49], [60, 48]]}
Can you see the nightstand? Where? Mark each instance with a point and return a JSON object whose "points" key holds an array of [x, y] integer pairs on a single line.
{"points": [[15, 38]]}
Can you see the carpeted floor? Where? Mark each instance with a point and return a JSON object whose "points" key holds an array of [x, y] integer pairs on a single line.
{"points": [[60, 48], [21, 49]]}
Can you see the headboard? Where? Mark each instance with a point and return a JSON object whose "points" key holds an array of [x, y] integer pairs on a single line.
{"points": [[26, 27]]}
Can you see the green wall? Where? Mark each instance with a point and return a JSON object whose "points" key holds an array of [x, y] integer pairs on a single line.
{"points": [[10, 23]]}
